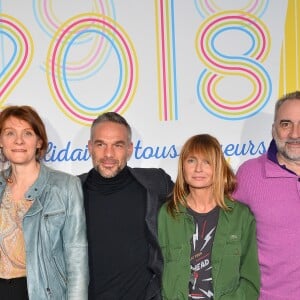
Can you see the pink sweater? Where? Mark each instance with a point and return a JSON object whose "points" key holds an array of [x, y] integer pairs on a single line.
{"points": [[273, 195]]}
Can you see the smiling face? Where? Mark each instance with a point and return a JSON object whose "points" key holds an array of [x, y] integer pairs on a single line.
{"points": [[110, 148], [19, 142], [197, 172], [286, 132]]}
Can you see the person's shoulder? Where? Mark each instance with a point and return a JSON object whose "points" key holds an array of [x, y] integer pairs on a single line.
{"points": [[252, 164], [154, 171], [239, 205], [59, 176], [163, 209], [164, 213], [240, 208], [150, 173], [83, 177], [255, 160], [154, 175], [153, 178]]}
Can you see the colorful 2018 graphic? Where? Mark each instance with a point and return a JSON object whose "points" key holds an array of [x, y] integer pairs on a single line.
{"points": [[90, 62], [166, 60], [17, 52], [100, 39], [49, 21], [247, 65], [209, 7], [85, 25]]}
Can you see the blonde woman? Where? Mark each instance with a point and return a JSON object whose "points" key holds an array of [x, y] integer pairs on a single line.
{"points": [[208, 240]]}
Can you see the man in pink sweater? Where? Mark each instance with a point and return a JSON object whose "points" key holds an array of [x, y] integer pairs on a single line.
{"points": [[270, 185]]}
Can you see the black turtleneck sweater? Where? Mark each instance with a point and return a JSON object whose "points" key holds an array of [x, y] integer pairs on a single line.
{"points": [[118, 247]]}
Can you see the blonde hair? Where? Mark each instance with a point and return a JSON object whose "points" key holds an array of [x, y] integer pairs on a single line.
{"points": [[224, 180]]}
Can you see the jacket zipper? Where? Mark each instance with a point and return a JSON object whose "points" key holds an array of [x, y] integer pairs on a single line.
{"points": [[59, 272], [46, 216], [48, 290]]}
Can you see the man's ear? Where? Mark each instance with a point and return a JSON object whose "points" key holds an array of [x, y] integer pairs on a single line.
{"points": [[90, 146], [129, 151]]}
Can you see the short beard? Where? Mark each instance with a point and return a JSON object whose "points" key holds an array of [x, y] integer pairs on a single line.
{"points": [[284, 152], [106, 174]]}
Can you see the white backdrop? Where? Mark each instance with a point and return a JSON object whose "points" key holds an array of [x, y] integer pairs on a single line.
{"points": [[171, 68]]}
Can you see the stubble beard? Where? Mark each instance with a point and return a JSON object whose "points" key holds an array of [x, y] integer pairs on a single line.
{"points": [[108, 172], [282, 148]]}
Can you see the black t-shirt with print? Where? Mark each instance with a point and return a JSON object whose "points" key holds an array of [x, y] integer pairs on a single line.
{"points": [[200, 285]]}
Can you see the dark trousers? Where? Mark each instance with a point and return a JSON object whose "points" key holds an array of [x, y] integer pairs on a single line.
{"points": [[13, 289]]}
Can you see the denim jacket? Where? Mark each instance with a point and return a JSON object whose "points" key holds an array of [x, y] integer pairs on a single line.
{"points": [[55, 237]]}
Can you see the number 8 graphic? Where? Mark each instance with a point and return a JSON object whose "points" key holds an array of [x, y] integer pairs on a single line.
{"points": [[220, 66]]}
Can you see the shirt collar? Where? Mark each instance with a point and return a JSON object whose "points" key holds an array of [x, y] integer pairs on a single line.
{"points": [[272, 152]]}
